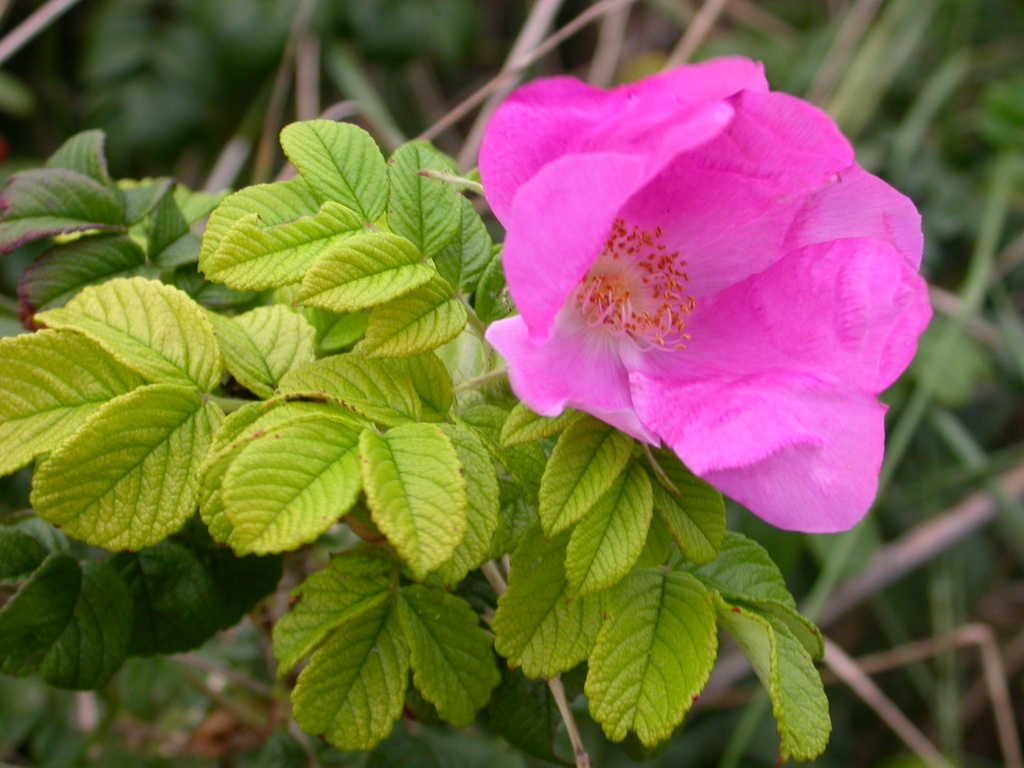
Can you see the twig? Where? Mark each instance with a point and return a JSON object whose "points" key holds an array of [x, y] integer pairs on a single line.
{"points": [[610, 40], [853, 27], [494, 577], [847, 670], [307, 77], [32, 26], [467, 105], [696, 31], [243, 681], [541, 17], [229, 164], [478, 381], [994, 675]]}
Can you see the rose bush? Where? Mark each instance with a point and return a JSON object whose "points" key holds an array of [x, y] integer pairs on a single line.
{"points": [[700, 262]]}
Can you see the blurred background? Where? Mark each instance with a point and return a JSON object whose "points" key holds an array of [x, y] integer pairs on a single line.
{"points": [[925, 599]]}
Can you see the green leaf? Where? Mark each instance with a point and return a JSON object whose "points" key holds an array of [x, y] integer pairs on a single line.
{"points": [[363, 271], [184, 591], [524, 712], [291, 484], [492, 300], [170, 241], [525, 463], [140, 198], [50, 383], [347, 587], [421, 320], [263, 345], [152, 328], [744, 573], [94, 643], [128, 477], [785, 668], [463, 260], [585, 462], [52, 201], [416, 492], [525, 426], [482, 508], [606, 543], [273, 204], [452, 662], [340, 331], [368, 387], [82, 153], [658, 548], [427, 211], [254, 255], [52, 280], [353, 689], [20, 554], [693, 511], [339, 162], [431, 379], [32, 620], [653, 656], [537, 626]]}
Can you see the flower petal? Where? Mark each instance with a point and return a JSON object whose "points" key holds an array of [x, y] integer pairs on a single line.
{"points": [[729, 204], [556, 116], [858, 204], [575, 368], [796, 452], [849, 311]]}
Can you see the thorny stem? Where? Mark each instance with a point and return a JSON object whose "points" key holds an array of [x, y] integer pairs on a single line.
{"points": [[494, 577]]}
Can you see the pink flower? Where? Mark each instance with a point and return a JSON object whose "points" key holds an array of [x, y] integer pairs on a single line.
{"points": [[700, 262]]}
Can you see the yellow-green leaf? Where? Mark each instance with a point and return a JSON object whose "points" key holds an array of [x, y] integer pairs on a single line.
{"points": [[421, 320]]}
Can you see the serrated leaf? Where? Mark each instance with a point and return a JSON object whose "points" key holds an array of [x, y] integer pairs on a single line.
{"points": [[50, 383], [53, 279], [517, 516], [525, 463], [238, 429], [744, 572], [785, 668], [273, 204], [52, 201], [693, 511], [340, 162], [20, 554], [82, 153], [525, 426], [347, 587], [366, 386], [585, 462], [463, 260], [94, 643], [426, 211], [33, 619], [482, 508], [524, 713], [340, 331], [423, 319], [653, 656], [290, 485], [140, 198], [184, 591], [128, 478], [363, 271], [253, 255], [152, 328], [536, 625], [431, 380], [416, 492], [264, 344], [606, 544], [452, 662], [658, 547], [492, 300], [170, 243], [353, 689]]}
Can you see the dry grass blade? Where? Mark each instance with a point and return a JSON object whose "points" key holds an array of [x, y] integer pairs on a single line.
{"points": [[696, 32], [611, 39], [847, 670], [32, 26]]}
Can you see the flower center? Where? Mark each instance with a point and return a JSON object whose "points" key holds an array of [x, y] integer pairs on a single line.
{"points": [[635, 289]]}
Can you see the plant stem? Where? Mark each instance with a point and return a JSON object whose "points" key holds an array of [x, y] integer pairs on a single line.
{"points": [[32, 26], [478, 381], [494, 577], [228, 404]]}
